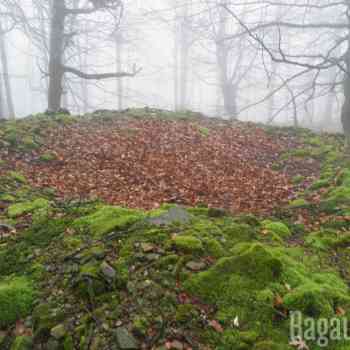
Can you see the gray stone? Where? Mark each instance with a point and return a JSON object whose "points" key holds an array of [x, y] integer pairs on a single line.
{"points": [[152, 257], [125, 340], [176, 345], [172, 216], [21, 343], [147, 247], [53, 344], [108, 271], [59, 331], [196, 266]]}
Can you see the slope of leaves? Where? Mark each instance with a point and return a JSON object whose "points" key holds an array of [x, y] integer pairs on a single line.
{"points": [[144, 162]]}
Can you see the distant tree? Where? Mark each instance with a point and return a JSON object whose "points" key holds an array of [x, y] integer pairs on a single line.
{"points": [[58, 44], [324, 28], [67, 20], [232, 59], [6, 25]]}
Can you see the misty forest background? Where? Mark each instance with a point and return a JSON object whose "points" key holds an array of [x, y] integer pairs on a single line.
{"points": [[267, 61]]}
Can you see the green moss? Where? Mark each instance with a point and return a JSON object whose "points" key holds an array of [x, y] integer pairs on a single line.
{"points": [[20, 209], [327, 239], [340, 195], [141, 325], [48, 157], [323, 183], [28, 143], [44, 319], [107, 219], [236, 232], [42, 233], [315, 141], [316, 300], [187, 244], [122, 272], [252, 261], [247, 219], [270, 345], [278, 228], [18, 177], [296, 180], [68, 343], [204, 131], [299, 203], [16, 300], [169, 260], [185, 313], [7, 198], [213, 248], [302, 152], [23, 343]]}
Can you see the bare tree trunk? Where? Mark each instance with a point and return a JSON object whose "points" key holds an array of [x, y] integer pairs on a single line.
{"points": [[184, 53], [119, 83], [328, 111], [176, 67], [230, 98], [56, 55], [6, 77], [227, 87], [345, 114], [83, 66], [2, 114]]}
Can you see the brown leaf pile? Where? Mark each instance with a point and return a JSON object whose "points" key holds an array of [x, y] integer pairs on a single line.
{"points": [[144, 163]]}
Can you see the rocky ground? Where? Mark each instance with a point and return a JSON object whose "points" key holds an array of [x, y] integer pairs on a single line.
{"points": [[152, 230]]}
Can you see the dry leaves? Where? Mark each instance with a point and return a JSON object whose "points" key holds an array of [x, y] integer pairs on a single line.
{"points": [[162, 161]]}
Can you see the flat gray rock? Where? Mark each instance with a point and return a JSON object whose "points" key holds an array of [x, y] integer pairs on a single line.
{"points": [[172, 216], [108, 271], [125, 340]]}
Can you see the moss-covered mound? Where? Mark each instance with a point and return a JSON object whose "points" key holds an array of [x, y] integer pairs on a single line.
{"points": [[104, 275], [80, 274]]}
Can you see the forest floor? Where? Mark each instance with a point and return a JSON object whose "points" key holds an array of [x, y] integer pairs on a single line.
{"points": [[148, 229]]}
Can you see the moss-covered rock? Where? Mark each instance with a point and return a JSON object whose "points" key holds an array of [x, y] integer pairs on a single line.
{"points": [[17, 176], [16, 300], [327, 239], [213, 248], [298, 179], [322, 183], [299, 203], [316, 300], [187, 244], [48, 157], [45, 317], [23, 343], [252, 261], [106, 219], [278, 228], [20, 209], [270, 345]]}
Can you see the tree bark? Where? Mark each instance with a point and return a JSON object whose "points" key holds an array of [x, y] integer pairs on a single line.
{"points": [[119, 85], [56, 71], [2, 114], [222, 52], [230, 99], [176, 67], [6, 77], [184, 55], [345, 113]]}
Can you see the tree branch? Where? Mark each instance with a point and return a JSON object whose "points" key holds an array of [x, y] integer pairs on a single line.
{"points": [[101, 76]]}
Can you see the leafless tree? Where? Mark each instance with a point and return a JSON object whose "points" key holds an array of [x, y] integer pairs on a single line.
{"points": [[66, 19], [326, 25], [58, 42]]}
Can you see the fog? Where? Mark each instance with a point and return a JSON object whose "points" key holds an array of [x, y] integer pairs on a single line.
{"points": [[181, 50]]}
